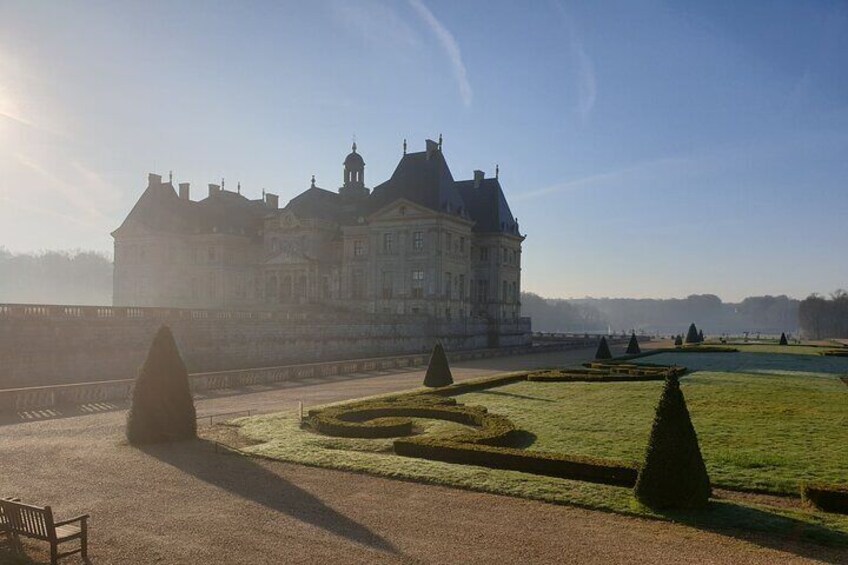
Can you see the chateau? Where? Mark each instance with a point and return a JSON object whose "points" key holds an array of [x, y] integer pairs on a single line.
{"points": [[418, 243]]}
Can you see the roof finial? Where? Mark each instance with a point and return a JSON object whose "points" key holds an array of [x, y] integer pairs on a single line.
{"points": [[404, 146], [222, 183], [313, 176], [354, 143], [497, 170], [263, 194], [238, 187], [171, 177], [440, 142]]}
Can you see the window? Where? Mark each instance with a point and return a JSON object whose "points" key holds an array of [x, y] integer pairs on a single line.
{"points": [[357, 284], [448, 286], [418, 240], [462, 245], [210, 254], [460, 287], [358, 248], [387, 243], [417, 283], [503, 291], [484, 253], [448, 241], [482, 291], [388, 280]]}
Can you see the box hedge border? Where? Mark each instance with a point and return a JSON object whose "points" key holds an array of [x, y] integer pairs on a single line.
{"points": [[830, 498]]}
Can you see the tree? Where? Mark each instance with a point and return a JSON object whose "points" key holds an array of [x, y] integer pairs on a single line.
{"points": [[633, 346], [700, 336], [673, 475], [438, 371], [783, 340], [692, 334], [603, 351], [162, 408], [678, 340]]}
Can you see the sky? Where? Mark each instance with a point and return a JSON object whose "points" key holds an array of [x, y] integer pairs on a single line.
{"points": [[648, 149]]}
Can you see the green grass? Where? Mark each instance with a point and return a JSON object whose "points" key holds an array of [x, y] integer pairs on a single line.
{"points": [[764, 422]]}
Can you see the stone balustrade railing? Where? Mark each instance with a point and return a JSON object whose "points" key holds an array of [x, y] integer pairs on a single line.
{"points": [[40, 397]]}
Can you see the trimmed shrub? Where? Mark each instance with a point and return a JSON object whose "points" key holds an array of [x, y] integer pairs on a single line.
{"points": [[783, 340], [678, 341], [674, 475], [835, 353], [830, 498], [438, 371], [700, 336], [162, 409], [603, 351], [633, 346], [692, 334]]}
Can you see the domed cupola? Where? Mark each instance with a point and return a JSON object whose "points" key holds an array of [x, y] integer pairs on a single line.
{"points": [[354, 174]]}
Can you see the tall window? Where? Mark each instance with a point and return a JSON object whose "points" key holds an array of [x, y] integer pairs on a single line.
{"points": [[460, 287], [448, 286], [387, 243], [482, 291], [357, 284], [504, 291], [358, 248], [462, 245], [484, 253], [418, 240], [388, 284], [417, 283], [448, 241]]}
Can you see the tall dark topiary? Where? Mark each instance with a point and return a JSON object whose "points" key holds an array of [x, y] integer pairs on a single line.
{"points": [[633, 346], [438, 371], [678, 340], [162, 408], [783, 340], [700, 336], [603, 351], [674, 475], [692, 334]]}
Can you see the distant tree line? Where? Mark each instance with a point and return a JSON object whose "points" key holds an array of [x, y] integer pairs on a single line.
{"points": [[822, 318], [55, 277]]}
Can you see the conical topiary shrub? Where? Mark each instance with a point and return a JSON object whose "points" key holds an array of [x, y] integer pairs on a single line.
{"points": [[162, 408], [678, 340], [438, 371], [692, 334], [603, 351], [673, 475], [700, 336], [783, 340], [633, 346]]}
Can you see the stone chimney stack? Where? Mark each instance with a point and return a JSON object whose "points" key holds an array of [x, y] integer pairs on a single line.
{"points": [[478, 178], [432, 147], [272, 200], [214, 189], [154, 179], [184, 190]]}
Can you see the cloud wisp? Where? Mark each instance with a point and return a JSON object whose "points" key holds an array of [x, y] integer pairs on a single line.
{"points": [[450, 46], [584, 67]]}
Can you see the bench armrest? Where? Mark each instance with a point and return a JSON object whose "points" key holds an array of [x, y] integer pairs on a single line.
{"points": [[82, 518]]}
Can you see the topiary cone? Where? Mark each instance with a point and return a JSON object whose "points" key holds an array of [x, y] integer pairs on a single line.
{"points": [[603, 351], [633, 346], [162, 407], [673, 475], [783, 340], [678, 341], [438, 371], [692, 334]]}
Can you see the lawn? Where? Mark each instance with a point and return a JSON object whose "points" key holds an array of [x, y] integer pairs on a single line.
{"points": [[765, 422]]}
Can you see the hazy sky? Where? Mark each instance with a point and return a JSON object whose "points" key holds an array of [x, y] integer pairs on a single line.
{"points": [[648, 148]]}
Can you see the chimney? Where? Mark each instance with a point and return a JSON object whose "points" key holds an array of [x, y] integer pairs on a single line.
{"points": [[272, 200], [184, 190], [154, 180], [432, 147], [214, 189], [478, 178]]}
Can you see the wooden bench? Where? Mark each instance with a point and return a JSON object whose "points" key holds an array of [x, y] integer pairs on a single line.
{"points": [[19, 519]]}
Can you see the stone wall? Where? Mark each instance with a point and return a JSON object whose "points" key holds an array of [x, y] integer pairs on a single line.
{"points": [[47, 345]]}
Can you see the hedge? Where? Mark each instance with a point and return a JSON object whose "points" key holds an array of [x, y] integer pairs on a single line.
{"points": [[830, 498], [511, 459], [835, 353]]}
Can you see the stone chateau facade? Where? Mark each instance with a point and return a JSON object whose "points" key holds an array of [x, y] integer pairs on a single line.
{"points": [[418, 243]]}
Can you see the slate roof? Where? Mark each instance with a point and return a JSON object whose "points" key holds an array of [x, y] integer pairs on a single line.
{"points": [[487, 206], [318, 203]]}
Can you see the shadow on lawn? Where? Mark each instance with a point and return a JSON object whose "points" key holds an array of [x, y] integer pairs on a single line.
{"points": [[767, 529], [244, 477]]}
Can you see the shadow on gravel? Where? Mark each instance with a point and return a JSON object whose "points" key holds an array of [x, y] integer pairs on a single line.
{"points": [[244, 477], [768, 529]]}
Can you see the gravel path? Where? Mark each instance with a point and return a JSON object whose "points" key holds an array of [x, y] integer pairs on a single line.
{"points": [[185, 503]]}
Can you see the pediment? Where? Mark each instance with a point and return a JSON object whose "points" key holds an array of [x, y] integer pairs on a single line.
{"points": [[399, 210], [286, 257]]}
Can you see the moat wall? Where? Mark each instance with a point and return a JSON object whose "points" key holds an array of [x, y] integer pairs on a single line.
{"points": [[46, 345]]}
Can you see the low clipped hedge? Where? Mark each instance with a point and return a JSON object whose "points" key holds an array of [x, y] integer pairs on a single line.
{"points": [[511, 459], [835, 353], [617, 371], [830, 498], [474, 384], [700, 348]]}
